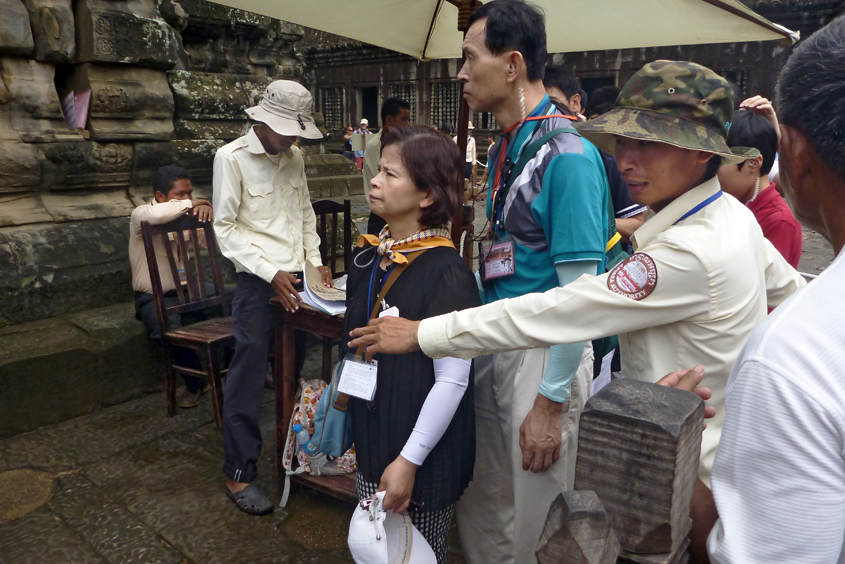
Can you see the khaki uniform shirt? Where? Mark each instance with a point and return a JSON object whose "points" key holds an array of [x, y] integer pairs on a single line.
{"points": [[157, 214], [716, 274], [263, 217], [372, 155]]}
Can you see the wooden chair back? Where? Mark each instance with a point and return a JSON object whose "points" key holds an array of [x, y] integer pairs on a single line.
{"points": [[200, 289], [328, 211]]}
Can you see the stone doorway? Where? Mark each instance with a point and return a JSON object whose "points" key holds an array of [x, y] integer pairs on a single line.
{"points": [[367, 102]]}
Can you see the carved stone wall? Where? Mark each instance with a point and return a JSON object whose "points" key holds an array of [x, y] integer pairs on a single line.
{"points": [[169, 81]]}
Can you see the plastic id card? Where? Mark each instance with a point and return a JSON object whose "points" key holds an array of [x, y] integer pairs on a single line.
{"points": [[358, 378], [498, 260]]}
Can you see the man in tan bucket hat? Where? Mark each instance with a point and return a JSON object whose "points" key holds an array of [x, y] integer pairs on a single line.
{"points": [[701, 277], [266, 226]]}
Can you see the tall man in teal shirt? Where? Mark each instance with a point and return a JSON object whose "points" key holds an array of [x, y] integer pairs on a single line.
{"points": [[549, 227]]}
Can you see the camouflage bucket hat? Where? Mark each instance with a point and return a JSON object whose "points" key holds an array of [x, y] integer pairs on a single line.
{"points": [[674, 102]]}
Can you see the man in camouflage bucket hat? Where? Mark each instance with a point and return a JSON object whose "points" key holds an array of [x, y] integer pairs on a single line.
{"points": [[674, 102], [698, 283]]}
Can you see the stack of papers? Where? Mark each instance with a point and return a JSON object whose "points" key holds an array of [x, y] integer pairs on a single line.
{"points": [[330, 300]]}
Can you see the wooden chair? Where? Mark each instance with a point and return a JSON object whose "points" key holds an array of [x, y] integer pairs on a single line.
{"points": [[327, 211], [208, 339]]}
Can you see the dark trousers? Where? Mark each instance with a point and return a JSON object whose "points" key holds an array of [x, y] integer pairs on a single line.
{"points": [[145, 310], [253, 322]]}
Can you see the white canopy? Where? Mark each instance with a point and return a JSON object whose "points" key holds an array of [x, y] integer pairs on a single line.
{"points": [[427, 29]]}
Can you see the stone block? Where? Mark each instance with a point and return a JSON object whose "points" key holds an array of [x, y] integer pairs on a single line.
{"points": [[320, 188], [49, 269], [328, 165], [30, 109], [53, 30], [356, 185], [127, 104], [577, 531], [60, 368], [86, 165], [340, 187], [678, 556], [86, 204], [195, 155], [228, 130], [15, 31], [638, 449], [201, 95], [21, 209], [20, 166], [124, 31]]}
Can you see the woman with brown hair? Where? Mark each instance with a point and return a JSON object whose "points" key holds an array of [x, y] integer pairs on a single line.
{"points": [[416, 438]]}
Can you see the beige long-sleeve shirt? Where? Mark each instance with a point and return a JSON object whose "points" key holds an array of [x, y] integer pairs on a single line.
{"points": [[715, 276], [372, 156], [263, 217], [156, 213]]}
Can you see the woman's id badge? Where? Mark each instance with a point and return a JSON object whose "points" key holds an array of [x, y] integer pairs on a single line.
{"points": [[498, 260], [358, 378]]}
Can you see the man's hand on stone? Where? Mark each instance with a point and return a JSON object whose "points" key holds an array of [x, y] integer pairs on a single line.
{"points": [[540, 435], [283, 286], [389, 335], [689, 380], [203, 212], [326, 274]]}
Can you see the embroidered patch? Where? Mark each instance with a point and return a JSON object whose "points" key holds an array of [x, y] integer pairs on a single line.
{"points": [[635, 277]]}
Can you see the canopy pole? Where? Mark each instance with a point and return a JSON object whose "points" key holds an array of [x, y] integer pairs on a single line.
{"points": [[465, 10]]}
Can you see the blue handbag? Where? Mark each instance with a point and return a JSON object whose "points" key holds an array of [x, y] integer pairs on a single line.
{"points": [[332, 426]]}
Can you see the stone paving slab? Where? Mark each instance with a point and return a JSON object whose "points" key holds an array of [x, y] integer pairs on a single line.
{"points": [[108, 527], [43, 538]]}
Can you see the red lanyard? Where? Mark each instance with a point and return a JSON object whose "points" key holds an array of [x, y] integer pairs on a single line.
{"points": [[497, 182]]}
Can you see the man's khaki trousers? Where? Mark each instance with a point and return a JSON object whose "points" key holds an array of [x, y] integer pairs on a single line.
{"points": [[502, 512]]}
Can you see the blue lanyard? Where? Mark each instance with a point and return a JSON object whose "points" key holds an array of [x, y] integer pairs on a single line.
{"points": [[499, 205], [700, 206], [372, 281]]}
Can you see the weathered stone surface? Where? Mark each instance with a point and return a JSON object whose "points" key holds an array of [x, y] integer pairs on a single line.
{"points": [[20, 166], [127, 104], [124, 31], [329, 165], [195, 155], [21, 209], [356, 185], [22, 491], [60, 368], [212, 105], [29, 105], [52, 269], [679, 556], [109, 528], [577, 531], [86, 165], [638, 448], [53, 30], [23, 541], [320, 187], [15, 32], [84, 204]]}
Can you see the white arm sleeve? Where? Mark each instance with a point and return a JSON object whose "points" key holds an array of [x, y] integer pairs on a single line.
{"points": [[451, 377]]}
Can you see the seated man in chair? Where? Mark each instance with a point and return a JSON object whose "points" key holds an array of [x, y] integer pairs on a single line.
{"points": [[172, 199]]}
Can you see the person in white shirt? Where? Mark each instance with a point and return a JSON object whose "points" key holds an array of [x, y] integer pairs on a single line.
{"points": [[266, 226], [779, 476], [472, 153], [172, 199], [395, 112]]}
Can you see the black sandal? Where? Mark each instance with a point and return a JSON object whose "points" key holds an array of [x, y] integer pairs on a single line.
{"points": [[251, 500]]}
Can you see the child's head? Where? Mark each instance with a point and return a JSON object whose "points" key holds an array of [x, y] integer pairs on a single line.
{"points": [[749, 130], [421, 174]]}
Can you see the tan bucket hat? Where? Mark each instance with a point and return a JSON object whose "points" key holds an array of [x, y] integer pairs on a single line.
{"points": [[286, 108], [674, 102]]}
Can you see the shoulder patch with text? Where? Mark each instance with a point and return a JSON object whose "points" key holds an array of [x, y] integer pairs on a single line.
{"points": [[635, 277]]}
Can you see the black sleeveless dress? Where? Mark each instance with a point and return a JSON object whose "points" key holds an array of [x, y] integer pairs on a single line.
{"points": [[436, 282]]}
